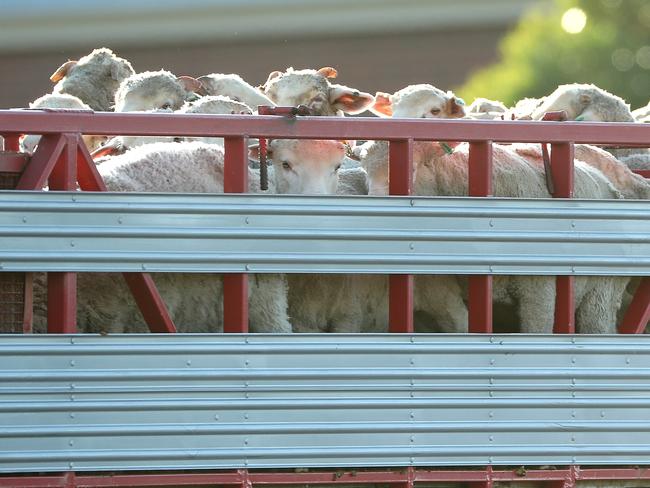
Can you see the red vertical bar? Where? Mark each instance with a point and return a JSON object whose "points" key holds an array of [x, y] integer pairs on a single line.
{"points": [[235, 285], [563, 175], [400, 305], [480, 286], [42, 162], [638, 313], [12, 142], [62, 287]]}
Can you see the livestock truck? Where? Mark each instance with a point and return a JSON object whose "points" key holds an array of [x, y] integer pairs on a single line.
{"points": [[239, 409]]}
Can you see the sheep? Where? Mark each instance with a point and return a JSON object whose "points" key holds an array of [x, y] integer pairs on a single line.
{"points": [[59, 100], [436, 172], [314, 89], [93, 79], [589, 103], [524, 108], [419, 101], [154, 90], [193, 299], [234, 87], [585, 102], [214, 105]]}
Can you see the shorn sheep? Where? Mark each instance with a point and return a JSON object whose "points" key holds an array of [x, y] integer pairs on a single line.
{"points": [[59, 100], [314, 89], [439, 172], [194, 300], [93, 79]]}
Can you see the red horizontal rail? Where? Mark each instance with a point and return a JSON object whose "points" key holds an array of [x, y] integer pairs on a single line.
{"points": [[270, 126], [321, 477]]}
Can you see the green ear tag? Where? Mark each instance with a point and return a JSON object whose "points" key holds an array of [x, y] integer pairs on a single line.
{"points": [[460, 101], [579, 118], [448, 149]]}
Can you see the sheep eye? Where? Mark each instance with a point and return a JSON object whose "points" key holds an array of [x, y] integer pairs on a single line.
{"points": [[337, 168], [286, 165], [435, 111], [166, 106]]}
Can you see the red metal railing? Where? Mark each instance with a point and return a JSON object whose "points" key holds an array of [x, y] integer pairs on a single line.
{"points": [[63, 159]]}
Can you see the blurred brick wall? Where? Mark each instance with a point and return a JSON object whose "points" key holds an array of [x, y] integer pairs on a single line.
{"points": [[372, 63]]}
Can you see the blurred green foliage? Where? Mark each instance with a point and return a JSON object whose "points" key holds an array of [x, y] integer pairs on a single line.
{"points": [[612, 52]]}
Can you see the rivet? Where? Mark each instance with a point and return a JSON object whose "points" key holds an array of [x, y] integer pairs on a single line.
{"points": [[74, 199], [24, 220], [491, 223], [491, 438], [412, 460], [411, 246], [573, 438], [245, 416], [573, 413], [573, 224], [72, 363], [412, 394], [412, 339], [492, 339], [490, 268], [71, 443], [189, 362], [573, 394], [602, 413], [573, 269], [71, 465], [72, 398], [72, 386], [71, 243], [247, 267], [247, 362], [412, 202], [247, 220], [491, 393], [216, 417], [412, 438], [491, 381], [412, 415], [573, 381], [573, 459], [71, 415], [627, 360], [246, 441], [120, 220], [412, 361], [573, 340], [492, 361], [490, 459], [573, 360], [491, 414], [144, 266], [72, 340]]}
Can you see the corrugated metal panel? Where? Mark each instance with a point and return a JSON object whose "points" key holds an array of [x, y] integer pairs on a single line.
{"points": [[260, 401], [265, 234]]}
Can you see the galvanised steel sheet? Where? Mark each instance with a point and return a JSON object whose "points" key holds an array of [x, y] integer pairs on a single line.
{"points": [[93, 403], [80, 231]]}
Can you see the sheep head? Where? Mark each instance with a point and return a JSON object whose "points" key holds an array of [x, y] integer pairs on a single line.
{"points": [[314, 89], [419, 101], [155, 90], [304, 166]]}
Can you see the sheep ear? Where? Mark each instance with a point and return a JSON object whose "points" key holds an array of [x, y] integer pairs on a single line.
{"points": [[383, 105], [191, 84], [111, 147], [272, 75], [455, 107], [585, 99], [120, 72], [328, 72], [62, 71], [205, 83], [349, 100]]}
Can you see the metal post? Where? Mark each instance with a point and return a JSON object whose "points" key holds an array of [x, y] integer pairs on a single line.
{"points": [[62, 287], [12, 142], [638, 313], [563, 175], [400, 308], [480, 286], [235, 285]]}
